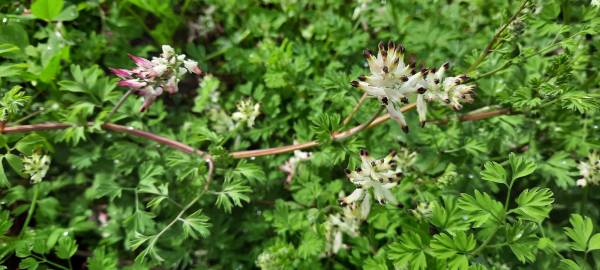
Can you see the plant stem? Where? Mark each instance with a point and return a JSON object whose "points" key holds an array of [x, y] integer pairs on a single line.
{"points": [[485, 243], [44, 260], [239, 154], [36, 191], [490, 45], [178, 217], [361, 101], [507, 201], [118, 105]]}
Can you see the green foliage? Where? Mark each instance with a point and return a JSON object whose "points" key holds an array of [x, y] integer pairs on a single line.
{"points": [[511, 191]]}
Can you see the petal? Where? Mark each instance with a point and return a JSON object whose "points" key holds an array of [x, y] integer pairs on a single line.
{"points": [[140, 61], [365, 206], [122, 73], [356, 195], [132, 83], [421, 109], [396, 114]]}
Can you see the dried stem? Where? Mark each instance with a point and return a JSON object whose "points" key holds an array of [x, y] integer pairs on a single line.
{"points": [[240, 154]]}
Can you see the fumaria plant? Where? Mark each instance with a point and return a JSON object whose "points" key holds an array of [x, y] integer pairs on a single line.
{"points": [[254, 134]]}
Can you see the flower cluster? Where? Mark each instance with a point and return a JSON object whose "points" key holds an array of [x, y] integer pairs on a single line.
{"points": [[247, 112], [379, 175], [392, 81], [336, 225], [590, 170], [36, 166], [152, 77]]}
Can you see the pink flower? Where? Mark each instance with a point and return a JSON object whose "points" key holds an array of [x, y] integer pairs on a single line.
{"points": [[131, 83], [171, 85], [122, 73], [141, 62], [152, 77]]}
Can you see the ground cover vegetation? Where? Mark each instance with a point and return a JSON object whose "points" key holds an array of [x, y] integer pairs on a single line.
{"points": [[296, 134]]}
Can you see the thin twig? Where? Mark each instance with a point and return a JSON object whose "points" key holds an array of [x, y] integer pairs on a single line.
{"points": [[361, 101], [490, 45], [240, 154], [119, 104]]}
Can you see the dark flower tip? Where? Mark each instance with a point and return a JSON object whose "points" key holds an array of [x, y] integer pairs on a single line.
{"points": [[393, 153], [367, 53], [422, 123], [364, 152], [404, 100], [421, 90], [391, 45], [405, 129], [446, 65], [354, 83], [362, 78]]}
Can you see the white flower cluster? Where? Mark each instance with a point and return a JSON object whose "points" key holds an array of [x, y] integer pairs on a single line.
{"points": [[378, 175], [36, 166], [247, 112], [151, 77], [337, 225], [373, 176], [590, 170], [392, 81]]}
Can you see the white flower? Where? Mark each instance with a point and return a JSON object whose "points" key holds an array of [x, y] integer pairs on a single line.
{"points": [[247, 112], [392, 81], [595, 3], [336, 225], [290, 165], [376, 177], [36, 166], [423, 210], [168, 51], [589, 170]]}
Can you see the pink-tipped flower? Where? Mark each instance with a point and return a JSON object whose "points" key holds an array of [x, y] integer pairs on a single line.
{"points": [[152, 77], [192, 66], [140, 61], [122, 73], [131, 83]]}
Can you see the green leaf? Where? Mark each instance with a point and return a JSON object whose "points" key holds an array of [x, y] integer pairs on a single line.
{"points": [[409, 250], [522, 240], [68, 14], [15, 163], [66, 248], [566, 264], [448, 216], [29, 263], [446, 246], [47, 9], [233, 193], [249, 171], [310, 245], [194, 224], [580, 232], [520, 166], [102, 260], [3, 179], [594, 242], [31, 142], [494, 172], [482, 208], [534, 204]]}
